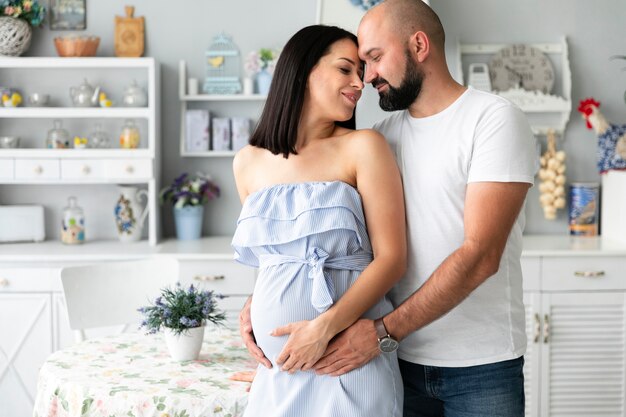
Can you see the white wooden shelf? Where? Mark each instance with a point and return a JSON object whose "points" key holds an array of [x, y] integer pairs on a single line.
{"points": [[186, 98], [223, 97], [75, 112], [87, 62], [545, 112], [76, 153]]}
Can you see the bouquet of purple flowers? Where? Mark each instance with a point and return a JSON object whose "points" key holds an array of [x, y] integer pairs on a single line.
{"points": [[189, 190]]}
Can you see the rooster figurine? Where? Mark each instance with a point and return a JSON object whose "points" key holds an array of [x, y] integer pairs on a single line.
{"points": [[611, 138]]}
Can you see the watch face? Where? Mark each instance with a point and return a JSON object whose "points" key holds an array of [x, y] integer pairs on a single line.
{"points": [[387, 345], [521, 65]]}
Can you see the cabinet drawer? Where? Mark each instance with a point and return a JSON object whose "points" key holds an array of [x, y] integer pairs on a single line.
{"points": [[224, 277], [584, 273], [30, 280], [127, 168], [81, 169], [28, 169], [6, 169]]}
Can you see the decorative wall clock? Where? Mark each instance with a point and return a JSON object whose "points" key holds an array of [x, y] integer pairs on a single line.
{"points": [[521, 66]]}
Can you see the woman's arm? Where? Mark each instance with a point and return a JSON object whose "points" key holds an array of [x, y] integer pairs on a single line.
{"points": [[378, 181]]}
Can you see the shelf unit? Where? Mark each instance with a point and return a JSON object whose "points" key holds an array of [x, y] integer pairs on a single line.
{"points": [[544, 111], [186, 98], [39, 166]]}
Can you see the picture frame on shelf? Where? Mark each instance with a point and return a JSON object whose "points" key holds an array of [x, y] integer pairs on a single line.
{"points": [[68, 15]]}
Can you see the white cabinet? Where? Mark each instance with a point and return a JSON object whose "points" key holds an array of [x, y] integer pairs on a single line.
{"points": [[186, 100], [33, 164], [576, 327]]}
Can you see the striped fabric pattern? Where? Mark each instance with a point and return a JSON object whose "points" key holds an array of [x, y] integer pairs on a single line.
{"points": [[310, 243]]}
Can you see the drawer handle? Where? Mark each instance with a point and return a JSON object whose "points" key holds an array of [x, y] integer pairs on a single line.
{"points": [[589, 274], [4, 282], [38, 170], [86, 170], [209, 277], [546, 328], [130, 169]]}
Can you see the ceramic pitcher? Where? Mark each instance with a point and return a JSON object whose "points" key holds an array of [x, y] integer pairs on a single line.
{"points": [[129, 213]]}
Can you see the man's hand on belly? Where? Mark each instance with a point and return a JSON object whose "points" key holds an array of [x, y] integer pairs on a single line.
{"points": [[350, 349]]}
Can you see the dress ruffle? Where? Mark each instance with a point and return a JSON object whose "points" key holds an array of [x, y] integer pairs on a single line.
{"points": [[304, 209]]}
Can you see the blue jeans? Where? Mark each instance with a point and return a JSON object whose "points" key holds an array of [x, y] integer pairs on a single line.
{"points": [[492, 390]]}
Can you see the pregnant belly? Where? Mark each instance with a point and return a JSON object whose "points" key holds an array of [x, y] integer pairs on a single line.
{"points": [[279, 298]]}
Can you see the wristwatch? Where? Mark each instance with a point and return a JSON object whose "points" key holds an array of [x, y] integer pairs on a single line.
{"points": [[386, 343]]}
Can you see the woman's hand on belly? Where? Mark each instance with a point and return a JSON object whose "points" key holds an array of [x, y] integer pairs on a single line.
{"points": [[306, 344]]}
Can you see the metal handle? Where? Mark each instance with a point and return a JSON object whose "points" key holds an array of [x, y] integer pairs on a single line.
{"points": [[537, 328], [86, 170], [546, 328], [589, 274], [209, 277], [4, 282], [38, 169], [130, 169]]}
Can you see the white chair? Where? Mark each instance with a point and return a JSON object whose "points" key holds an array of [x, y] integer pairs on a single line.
{"points": [[109, 294]]}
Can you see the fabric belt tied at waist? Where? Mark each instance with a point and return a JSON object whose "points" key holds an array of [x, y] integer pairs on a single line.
{"points": [[318, 260]]}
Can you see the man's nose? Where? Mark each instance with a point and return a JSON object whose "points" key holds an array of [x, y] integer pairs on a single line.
{"points": [[370, 74]]}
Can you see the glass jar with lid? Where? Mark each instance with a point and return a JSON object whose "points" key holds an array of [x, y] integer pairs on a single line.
{"points": [[99, 138], [73, 224], [58, 138], [129, 137]]}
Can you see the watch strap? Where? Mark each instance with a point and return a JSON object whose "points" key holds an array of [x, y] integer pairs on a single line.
{"points": [[381, 330]]}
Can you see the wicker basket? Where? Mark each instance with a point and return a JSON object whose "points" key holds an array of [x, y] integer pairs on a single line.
{"points": [[15, 36], [77, 45]]}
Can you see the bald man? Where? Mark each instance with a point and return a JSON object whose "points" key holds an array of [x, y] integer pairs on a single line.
{"points": [[467, 160]]}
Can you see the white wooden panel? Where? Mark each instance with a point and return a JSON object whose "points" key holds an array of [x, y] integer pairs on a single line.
{"points": [[81, 169], [225, 277], [531, 273], [7, 166], [25, 343], [583, 361], [37, 169], [532, 359], [584, 273]]}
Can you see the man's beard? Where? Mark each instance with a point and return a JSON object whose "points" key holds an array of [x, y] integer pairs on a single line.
{"points": [[402, 97]]}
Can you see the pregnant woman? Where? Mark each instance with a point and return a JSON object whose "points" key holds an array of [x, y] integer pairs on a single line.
{"points": [[323, 220]]}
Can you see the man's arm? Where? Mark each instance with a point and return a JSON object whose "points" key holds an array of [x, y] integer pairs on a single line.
{"points": [[491, 209]]}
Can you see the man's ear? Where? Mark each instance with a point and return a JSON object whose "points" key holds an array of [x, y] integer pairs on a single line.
{"points": [[419, 45]]}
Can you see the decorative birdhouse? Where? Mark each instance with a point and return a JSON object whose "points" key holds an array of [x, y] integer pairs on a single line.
{"points": [[222, 67]]}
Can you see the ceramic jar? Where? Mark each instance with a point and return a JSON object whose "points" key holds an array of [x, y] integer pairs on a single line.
{"points": [[130, 214], [73, 224], [135, 96], [129, 137]]}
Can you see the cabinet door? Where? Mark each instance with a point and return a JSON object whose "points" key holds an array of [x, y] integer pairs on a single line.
{"points": [[583, 354], [25, 344], [532, 357]]}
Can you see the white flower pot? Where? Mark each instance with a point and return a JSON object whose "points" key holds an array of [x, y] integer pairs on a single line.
{"points": [[186, 345]]}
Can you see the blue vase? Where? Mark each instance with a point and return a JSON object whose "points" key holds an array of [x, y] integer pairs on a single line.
{"points": [[188, 221], [263, 82]]}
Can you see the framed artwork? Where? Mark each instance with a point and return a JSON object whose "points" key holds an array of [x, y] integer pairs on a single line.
{"points": [[68, 15]]}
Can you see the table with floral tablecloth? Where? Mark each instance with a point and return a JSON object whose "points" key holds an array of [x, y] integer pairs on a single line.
{"points": [[133, 375]]}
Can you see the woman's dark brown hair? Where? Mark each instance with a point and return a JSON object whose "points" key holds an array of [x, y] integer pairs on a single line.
{"points": [[277, 129]]}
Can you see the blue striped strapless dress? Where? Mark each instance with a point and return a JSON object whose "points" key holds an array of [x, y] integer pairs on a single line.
{"points": [[310, 243]]}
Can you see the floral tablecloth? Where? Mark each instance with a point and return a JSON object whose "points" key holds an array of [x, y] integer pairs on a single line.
{"points": [[133, 375]]}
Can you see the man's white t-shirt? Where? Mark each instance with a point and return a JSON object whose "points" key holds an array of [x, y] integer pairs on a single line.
{"points": [[479, 138]]}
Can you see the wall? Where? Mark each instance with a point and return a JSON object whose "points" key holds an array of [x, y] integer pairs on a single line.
{"points": [[595, 31]]}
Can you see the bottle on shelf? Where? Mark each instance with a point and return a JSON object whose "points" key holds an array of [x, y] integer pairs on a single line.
{"points": [[129, 137], [99, 138], [58, 137], [73, 223]]}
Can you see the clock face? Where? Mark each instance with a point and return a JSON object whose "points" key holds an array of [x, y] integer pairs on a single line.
{"points": [[521, 65]]}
